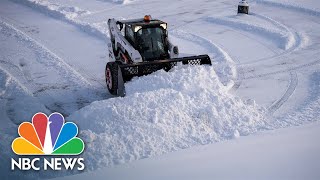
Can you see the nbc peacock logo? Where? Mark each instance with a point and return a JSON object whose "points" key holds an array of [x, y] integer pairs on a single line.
{"points": [[48, 136]]}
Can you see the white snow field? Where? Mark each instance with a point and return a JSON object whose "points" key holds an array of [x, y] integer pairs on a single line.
{"points": [[265, 77], [278, 154]]}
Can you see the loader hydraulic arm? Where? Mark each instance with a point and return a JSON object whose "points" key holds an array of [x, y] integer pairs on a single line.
{"points": [[173, 50]]}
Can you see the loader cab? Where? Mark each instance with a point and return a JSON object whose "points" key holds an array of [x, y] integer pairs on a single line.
{"points": [[149, 37]]}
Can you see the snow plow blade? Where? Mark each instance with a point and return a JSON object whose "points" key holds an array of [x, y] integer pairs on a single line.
{"points": [[139, 69]]}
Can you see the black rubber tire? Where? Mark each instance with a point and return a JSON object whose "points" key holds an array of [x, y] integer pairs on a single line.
{"points": [[111, 75]]}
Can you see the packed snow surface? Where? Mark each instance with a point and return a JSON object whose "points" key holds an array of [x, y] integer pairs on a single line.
{"points": [[262, 156]]}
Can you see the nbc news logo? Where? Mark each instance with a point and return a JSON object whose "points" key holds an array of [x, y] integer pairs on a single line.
{"points": [[48, 136]]}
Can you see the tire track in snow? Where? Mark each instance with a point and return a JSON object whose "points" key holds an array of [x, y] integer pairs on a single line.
{"points": [[90, 29], [298, 67], [296, 42], [74, 82], [293, 42], [309, 108], [12, 93], [290, 90], [253, 29], [58, 62]]}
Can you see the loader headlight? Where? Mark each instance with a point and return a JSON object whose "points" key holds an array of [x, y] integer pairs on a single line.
{"points": [[164, 26], [137, 28]]}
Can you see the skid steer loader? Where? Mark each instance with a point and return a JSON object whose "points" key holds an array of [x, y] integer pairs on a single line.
{"points": [[139, 47]]}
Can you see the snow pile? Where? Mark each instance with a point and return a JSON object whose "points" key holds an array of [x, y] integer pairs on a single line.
{"points": [[164, 112]]}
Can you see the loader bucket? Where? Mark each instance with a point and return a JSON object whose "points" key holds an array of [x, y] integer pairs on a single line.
{"points": [[139, 69]]}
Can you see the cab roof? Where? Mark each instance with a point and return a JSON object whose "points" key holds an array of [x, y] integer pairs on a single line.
{"points": [[141, 22]]}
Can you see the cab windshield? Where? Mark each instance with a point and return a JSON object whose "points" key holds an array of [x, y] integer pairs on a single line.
{"points": [[151, 43]]}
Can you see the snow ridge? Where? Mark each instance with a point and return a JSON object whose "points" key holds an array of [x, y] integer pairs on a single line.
{"points": [[68, 14], [283, 38], [291, 6]]}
